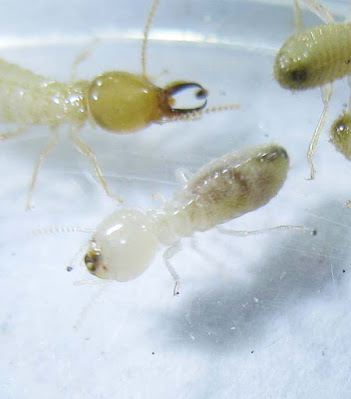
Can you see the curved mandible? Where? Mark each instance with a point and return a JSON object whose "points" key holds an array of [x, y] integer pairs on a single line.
{"points": [[202, 93]]}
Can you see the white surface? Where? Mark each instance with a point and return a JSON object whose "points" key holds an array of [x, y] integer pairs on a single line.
{"points": [[259, 317]]}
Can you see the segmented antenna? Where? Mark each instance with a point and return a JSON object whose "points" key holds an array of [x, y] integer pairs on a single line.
{"points": [[195, 115], [61, 229], [148, 23]]}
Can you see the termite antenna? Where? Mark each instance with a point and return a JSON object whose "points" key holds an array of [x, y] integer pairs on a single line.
{"points": [[93, 299], [65, 229], [227, 107], [148, 23], [61, 229], [196, 114]]}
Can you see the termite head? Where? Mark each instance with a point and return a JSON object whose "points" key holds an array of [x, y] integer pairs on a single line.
{"points": [[340, 134], [123, 102], [122, 246]]}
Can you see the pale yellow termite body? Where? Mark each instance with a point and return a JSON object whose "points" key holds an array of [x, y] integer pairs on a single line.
{"points": [[124, 244], [315, 57], [116, 101]]}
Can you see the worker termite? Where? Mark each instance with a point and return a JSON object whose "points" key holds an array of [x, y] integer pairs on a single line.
{"points": [[123, 245], [118, 102], [315, 57]]}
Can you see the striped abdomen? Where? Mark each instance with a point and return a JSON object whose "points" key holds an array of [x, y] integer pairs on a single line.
{"points": [[230, 186]]}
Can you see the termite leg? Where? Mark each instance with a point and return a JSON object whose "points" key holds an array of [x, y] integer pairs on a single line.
{"points": [[182, 176], [44, 152], [159, 197], [168, 254], [298, 16], [349, 83], [84, 149], [326, 91], [82, 56], [319, 10], [13, 133]]}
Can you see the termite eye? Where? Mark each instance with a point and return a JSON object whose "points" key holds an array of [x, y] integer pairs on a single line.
{"points": [[299, 75], [91, 261]]}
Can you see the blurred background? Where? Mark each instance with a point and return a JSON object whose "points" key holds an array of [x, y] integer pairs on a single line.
{"points": [[260, 317]]}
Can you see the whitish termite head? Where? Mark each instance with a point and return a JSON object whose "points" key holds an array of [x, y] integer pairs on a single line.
{"points": [[122, 246]]}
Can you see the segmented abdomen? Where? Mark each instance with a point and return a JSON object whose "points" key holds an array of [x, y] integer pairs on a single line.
{"points": [[229, 187]]}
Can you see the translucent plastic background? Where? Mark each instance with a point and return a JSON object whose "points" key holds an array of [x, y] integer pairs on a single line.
{"points": [[260, 317]]}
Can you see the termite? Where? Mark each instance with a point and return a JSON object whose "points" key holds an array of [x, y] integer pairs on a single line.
{"points": [[123, 245], [118, 102], [315, 57]]}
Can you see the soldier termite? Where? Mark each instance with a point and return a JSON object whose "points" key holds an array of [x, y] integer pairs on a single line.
{"points": [[315, 57], [124, 244], [118, 102]]}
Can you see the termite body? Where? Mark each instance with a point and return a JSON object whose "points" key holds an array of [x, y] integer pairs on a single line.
{"points": [[123, 245], [315, 57], [116, 101]]}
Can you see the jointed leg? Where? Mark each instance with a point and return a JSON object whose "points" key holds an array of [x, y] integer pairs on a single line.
{"points": [[168, 254], [87, 151], [349, 83], [318, 9], [44, 152], [182, 176], [298, 16], [82, 56], [326, 90], [159, 197], [13, 133]]}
